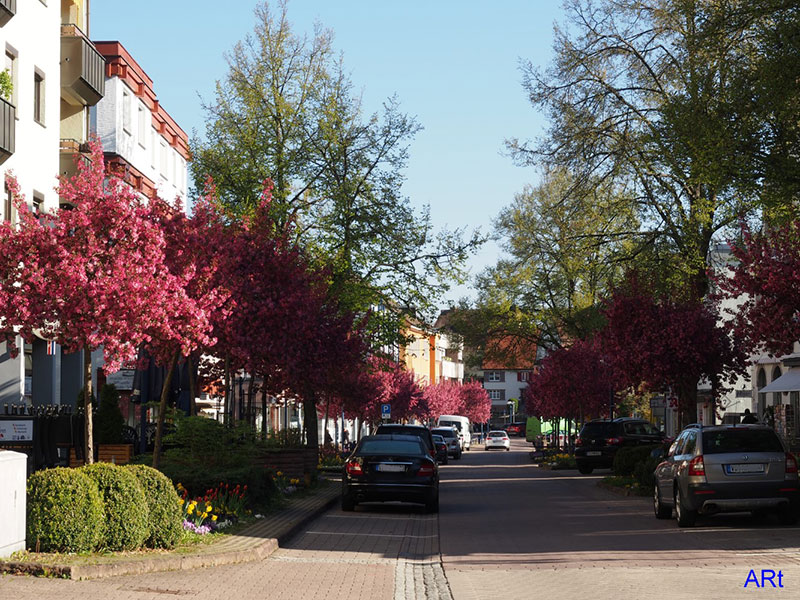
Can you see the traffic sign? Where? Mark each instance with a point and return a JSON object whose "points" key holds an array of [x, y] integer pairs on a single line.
{"points": [[386, 411]]}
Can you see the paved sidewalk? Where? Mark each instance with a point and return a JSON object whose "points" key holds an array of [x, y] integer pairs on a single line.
{"points": [[255, 542]]}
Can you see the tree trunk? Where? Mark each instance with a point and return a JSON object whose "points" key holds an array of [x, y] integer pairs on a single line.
{"points": [[192, 387], [263, 411], [251, 418], [162, 409], [327, 409], [227, 376], [310, 420], [88, 426]]}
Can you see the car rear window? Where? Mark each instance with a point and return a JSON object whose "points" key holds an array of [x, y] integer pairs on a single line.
{"points": [[455, 424], [596, 430], [497, 433], [445, 433], [740, 440], [391, 447]]}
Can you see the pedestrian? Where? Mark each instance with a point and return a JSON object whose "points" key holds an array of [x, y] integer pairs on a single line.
{"points": [[748, 417]]}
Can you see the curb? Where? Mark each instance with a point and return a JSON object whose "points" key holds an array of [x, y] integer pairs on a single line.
{"points": [[249, 552], [618, 490]]}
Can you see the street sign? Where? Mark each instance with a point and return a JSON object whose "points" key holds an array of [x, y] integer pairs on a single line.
{"points": [[386, 411]]}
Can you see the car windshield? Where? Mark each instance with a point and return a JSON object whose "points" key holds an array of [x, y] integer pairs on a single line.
{"points": [[596, 429], [446, 433], [497, 434], [407, 447], [740, 440], [438, 439]]}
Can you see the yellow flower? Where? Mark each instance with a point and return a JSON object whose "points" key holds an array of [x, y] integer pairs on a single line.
{"points": [[189, 509], [208, 508], [279, 473], [180, 501], [214, 518], [204, 515]]}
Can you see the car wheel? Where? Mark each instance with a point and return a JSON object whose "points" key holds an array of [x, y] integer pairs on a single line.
{"points": [[683, 515], [348, 504], [662, 511], [507, 448], [585, 469], [788, 516]]}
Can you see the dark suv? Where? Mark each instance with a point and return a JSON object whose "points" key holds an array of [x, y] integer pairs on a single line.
{"points": [[599, 440], [418, 430]]}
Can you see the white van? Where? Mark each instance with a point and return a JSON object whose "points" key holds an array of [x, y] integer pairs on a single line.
{"points": [[461, 424]]}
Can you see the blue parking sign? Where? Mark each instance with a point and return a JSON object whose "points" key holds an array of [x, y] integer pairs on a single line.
{"points": [[386, 411]]}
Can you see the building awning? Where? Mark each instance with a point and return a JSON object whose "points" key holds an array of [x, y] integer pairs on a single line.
{"points": [[788, 382]]}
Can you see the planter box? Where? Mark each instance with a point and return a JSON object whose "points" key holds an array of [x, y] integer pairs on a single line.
{"points": [[120, 454], [299, 463]]}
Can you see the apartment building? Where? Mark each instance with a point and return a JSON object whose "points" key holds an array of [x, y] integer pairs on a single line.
{"points": [[142, 143], [55, 75]]}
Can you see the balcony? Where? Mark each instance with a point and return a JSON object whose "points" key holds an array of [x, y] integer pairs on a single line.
{"points": [[8, 124], [68, 149], [82, 68], [8, 8]]}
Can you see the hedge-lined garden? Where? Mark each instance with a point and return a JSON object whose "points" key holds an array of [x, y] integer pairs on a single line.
{"points": [[102, 507]]}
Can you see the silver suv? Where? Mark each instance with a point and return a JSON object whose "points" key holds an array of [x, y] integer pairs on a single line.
{"points": [[727, 468]]}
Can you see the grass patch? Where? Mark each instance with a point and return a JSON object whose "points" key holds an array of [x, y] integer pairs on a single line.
{"points": [[628, 483]]}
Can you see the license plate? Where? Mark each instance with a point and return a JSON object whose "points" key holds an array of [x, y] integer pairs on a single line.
{"points": [[745, 468], [384, 468], [593, 453]]}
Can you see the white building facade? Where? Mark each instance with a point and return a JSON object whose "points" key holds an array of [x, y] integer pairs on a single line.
{"points": [[141, 141]]}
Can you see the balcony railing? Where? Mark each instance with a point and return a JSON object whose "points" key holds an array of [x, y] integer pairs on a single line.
{"points": [[8, 124], [68, 150], [82, 68], [8, 8]]}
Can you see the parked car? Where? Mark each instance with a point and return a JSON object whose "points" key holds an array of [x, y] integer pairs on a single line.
{"points": [[450, 435], [727, 468], [441, 449], [599, 440], [461, 425], [497, 439], [390, 467], [420, 431], [516, 429]]}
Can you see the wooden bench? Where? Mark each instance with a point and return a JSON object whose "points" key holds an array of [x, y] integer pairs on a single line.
{"points": [[120, 454]]}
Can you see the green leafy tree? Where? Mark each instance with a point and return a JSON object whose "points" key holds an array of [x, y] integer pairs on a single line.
{"points": [[286, 112], [657, 97]]}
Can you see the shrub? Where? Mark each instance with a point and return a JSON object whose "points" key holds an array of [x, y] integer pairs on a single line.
{"points": [[126, 513], [163, 504], [198, 479], [65, 511], [644, 472], [628, 457], [109, 420]]}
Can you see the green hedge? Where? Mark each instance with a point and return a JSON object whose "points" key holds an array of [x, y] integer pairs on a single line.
{"points": [[125, 526], [164, 504], [628, 457], [197, 479], [65, 511]]}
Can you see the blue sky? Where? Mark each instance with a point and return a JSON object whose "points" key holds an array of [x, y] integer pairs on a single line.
{"points": [[453, 64]]}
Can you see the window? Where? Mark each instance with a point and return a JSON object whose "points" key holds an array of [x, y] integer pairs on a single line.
{"points": [[498, 395], [163, 158], [38, 97], [523, 376], [494, 376], [11, 67], [153, 149], [126, 112], [8, 203], [38, 203], [142, 135]]}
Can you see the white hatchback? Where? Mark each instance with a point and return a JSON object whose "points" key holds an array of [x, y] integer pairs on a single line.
{"points": [[497, 439]]}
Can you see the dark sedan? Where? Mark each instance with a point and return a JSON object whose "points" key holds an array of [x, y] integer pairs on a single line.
{"points": [[441, 449], [391, 467]]}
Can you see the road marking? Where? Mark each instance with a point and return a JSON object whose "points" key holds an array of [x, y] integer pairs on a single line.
{"points": [[506, 479], [389, 535]]}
